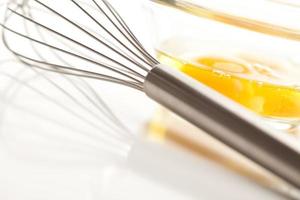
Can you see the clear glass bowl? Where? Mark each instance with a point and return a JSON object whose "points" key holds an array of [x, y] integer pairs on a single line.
{"points": [[249, 51]]}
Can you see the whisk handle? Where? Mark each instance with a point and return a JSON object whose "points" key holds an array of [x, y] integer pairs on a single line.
{"points": [[225, 120]]}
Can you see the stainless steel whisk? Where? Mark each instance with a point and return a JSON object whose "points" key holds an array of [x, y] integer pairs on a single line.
{"points": [[97, 43]]}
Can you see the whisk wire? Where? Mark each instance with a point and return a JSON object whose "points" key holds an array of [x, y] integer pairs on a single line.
{"points": [[106, 77], [87, 74], [102, 42], [127, 34], [126, 28], [113, 36], [56, 66], [76, 42], [74, 68]]}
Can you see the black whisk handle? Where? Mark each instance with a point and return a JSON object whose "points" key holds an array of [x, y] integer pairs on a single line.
{"points": [[225, 120]]}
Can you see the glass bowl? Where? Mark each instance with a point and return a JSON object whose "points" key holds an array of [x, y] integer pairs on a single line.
{"points": [[248, 51]]}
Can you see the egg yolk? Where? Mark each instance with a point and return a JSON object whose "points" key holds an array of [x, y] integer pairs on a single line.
{"points": [[251, 84]]}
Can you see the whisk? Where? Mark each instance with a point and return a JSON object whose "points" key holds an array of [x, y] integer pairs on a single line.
{"points": [[97, 44]]}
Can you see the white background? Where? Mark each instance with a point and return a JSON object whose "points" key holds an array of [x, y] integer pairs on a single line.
{"points": [[34, 167]]}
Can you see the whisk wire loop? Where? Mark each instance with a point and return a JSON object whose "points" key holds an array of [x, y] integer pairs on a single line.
{"points": [[123, 59]]}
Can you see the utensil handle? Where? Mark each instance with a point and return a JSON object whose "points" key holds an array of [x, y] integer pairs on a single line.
{"points": [[225, 120]]}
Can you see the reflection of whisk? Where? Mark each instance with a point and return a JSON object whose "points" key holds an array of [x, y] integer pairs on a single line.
{"points": [[47, 32], [100, 139], [98, 129]]}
